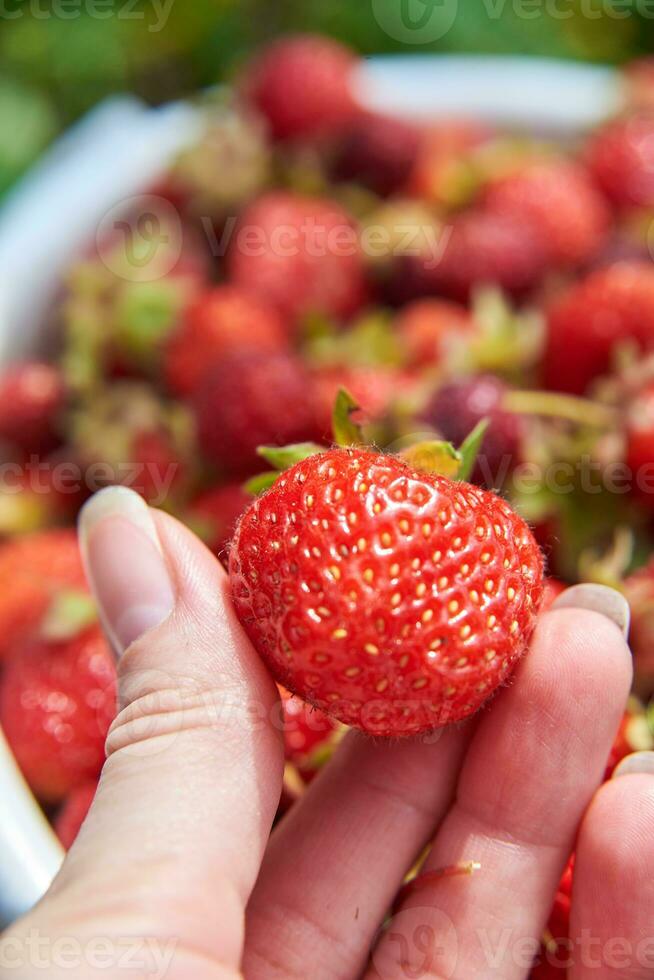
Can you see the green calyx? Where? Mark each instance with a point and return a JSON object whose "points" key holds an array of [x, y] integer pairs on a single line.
{"points": [[442, 458]]}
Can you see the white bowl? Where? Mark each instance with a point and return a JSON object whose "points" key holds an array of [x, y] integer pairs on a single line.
{"points": [[114, 152]]}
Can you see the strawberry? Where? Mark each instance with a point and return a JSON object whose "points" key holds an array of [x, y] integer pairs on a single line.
{"points": [[552, 590], [555, 952], [249, 399], [124, 433], [639, 589], [32, 396], [392, 599], [558, 198], [621, 157], [302, 86], [309, 735], [483, 248], [378, 152], [429, 328], [72, 814], [57, 700], [300, 255], [214, 513], [34, 569], [639, 432], [219, 321], [457, 407], [592, 318]]}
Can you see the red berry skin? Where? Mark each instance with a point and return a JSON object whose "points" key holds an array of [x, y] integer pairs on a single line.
{"points": [[220, 321], [639, 430], [72, 814], [302, 86], [57, 701], [31, 397], [33, 569], [300, 255], [560, 200], [456, 408], [306, 729], [393, 600], [482, 248], [251, 400], [428, 328], [608, 307], [379, 152], [621, 157]]}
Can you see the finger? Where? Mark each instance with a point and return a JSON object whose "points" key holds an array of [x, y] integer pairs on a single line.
{"points": [[612, 922], [173, 842], [534, 763], [353, 837]]}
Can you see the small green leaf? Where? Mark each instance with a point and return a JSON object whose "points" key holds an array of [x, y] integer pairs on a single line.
{"points": [[260, 483], [346, 432], [283, 457], [434, 456], [469, 449]]}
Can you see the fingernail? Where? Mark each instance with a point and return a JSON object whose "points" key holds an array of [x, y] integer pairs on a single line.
{"points": [[124, 564], [597, 598], [634, 763]]}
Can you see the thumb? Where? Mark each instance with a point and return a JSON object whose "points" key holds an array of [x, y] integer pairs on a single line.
{"points": [[173, 842]]}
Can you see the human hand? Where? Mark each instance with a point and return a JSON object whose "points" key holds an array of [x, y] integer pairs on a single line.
{"points": [[175, 874]]}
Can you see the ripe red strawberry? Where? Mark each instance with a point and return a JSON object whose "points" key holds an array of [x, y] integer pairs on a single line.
{"points": [[378, 152], [31, 398], [483, 248], [308, 733], [214, 513], [555, 952], [72, 814], [302, 86], [558, 198], [394, 600], [299, 254], [429, 328], [457, 407], [639, 589], [639, 432], [621, 157], [609, 307], [57, 700], [220, 321], [249, 400], [33, 570]]}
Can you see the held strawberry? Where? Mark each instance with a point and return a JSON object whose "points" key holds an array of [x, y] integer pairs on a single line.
{"points": [[395, 600], [72, 814]]}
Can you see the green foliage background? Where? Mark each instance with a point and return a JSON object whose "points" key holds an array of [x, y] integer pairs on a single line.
{"points": [[59, 57]]}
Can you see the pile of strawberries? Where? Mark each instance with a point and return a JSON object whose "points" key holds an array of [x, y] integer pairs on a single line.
{"points": [[432, 280]]}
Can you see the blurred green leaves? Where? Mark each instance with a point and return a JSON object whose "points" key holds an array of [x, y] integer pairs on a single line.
{"points": [[59, 57]]}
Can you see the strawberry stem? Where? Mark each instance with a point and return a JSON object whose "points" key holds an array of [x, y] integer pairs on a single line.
{"points": [[462, 869], [556, 405]]}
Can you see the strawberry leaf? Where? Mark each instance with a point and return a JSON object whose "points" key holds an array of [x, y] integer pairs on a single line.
{"points": [[283, 457], [346, 431], [260, 483], [434, 456], [469, 449]]}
